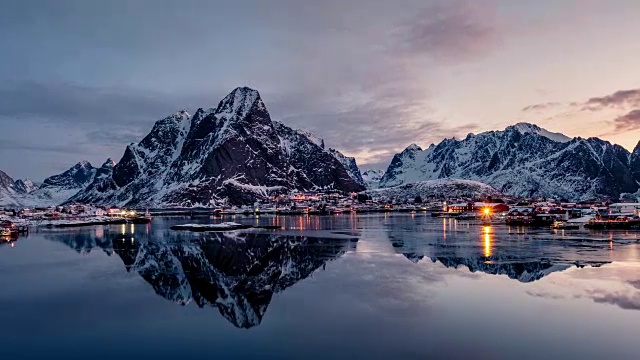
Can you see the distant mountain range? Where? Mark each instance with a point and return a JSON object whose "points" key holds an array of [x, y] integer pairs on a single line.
{"points": [[54, 190], [11, 189], [524, 160], [235, 154]]}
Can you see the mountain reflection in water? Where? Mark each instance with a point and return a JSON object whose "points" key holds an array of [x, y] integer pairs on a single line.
{"points": [[239, 272], [150, 292], [523, 260], [236, 273]]}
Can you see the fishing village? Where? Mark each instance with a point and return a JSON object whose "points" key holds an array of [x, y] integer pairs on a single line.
{"points": [[550, 213]]}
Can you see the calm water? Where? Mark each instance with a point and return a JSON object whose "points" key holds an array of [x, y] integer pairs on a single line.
{"points": [[366, 287]]}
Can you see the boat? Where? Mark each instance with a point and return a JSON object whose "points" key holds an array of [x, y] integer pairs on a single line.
{"points": [[289, 211], [335, 210], [267, 210], [563, 225], [468, 216], [8, 229], [448, 215], [232, 211], [139, 220], [624, 223]]}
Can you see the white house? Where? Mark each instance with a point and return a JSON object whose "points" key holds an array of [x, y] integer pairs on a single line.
{"points": [[624, 208]]}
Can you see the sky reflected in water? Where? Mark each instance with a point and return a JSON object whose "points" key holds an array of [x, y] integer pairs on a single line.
{"points": [[374, 286]]}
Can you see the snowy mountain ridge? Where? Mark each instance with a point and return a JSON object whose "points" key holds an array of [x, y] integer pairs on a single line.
{"points": [[524, 160], [19, 192], [372, 178], [525, 128], [438, 188]]}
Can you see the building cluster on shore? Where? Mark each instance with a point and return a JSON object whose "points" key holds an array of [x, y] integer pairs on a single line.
{"points": [[511, 211], [69, 216]]}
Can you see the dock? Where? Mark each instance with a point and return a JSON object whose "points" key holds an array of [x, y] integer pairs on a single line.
{"points": [[225, 226]]}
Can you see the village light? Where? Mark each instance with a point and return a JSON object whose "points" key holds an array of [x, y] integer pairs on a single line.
{"points": [[487, 211]]}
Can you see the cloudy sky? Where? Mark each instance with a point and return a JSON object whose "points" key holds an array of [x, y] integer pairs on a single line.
{"points": [[81, 79]]}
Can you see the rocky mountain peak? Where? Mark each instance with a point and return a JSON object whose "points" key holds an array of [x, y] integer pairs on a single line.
{"points": [[182, 114], [528, 128], [108, 164], [634, 162], [84, 164], [413, 148], [6, 181], [80, 175], [239, 103], [25, 186]]}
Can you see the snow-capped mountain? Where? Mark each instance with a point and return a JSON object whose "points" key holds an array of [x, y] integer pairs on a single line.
{"points": [[12, 192], [54, 190], [526, 128], [634, 162], [102, 179], [78, 176], [235, 273], [57, 189], [372, 178], [350, 165], [308, 154], [25, 186], [439, 189], [8, 191], [524, 160], [233, 153], [20, 186]]}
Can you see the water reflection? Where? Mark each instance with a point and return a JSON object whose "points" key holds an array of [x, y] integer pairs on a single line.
{"points": [[235, 273], [487, 241], [84, 242], [8, 241], [499, 252], [238, 273]]}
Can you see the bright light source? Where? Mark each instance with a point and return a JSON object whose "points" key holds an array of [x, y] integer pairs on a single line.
{"points": [[487, 211]]}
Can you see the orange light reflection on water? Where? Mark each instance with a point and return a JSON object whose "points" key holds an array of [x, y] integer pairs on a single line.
{"points": [[487, 240]]}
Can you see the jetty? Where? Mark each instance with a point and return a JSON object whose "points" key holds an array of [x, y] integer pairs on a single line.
{"points": [[225, 226], [96, 221]]}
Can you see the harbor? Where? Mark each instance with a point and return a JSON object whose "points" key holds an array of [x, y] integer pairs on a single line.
{"points": [[547, 213]]}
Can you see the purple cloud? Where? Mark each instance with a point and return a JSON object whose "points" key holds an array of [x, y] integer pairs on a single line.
{"points": [[618, 99], [542, 106], [629, 121], [457, 30]]}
